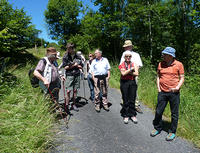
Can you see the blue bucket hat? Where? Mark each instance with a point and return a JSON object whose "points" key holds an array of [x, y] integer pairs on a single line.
{"points": [[170, 51]]}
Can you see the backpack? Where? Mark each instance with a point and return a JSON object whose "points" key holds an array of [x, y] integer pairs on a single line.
{"points": [[33, 79]]}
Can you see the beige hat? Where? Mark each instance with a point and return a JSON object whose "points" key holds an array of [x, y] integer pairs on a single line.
{"points": [[127, 43]]}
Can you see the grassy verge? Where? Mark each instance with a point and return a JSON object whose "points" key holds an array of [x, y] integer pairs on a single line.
{"points": [[25, 118], [189, 116]]}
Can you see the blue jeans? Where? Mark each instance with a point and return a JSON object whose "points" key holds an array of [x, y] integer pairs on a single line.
{"points": [[91, 86]]}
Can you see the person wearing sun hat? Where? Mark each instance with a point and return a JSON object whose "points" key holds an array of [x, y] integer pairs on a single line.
{"points": [[170, 77], [128, 46]]}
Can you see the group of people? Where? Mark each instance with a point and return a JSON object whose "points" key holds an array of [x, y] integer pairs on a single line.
{"points": [[170, 77]]}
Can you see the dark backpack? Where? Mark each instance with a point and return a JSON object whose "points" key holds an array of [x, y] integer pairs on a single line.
{"points": [[33, 79]]}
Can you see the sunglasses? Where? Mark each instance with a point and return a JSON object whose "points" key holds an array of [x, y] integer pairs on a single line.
{"points": [[90, 56], [128, 56]]}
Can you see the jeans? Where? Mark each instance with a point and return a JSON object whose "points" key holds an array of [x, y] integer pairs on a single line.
{"points": [[91, 86], [174, 101]]}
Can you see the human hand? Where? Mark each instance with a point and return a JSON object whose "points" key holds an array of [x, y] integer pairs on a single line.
{"points": [[46, 83], [174, 89]]}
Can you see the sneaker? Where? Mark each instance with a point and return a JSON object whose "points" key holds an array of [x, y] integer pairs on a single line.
{"points": [[106, 107], [154, 133], [134, 119], [138, 109], [97, 108], [170, 137], [75, 108], [125, 120]]}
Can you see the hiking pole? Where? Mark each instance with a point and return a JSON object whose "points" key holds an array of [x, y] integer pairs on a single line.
{"points": [[57, 105]]}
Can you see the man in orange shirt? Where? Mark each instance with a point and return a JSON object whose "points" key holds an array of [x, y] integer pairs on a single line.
{"points": [[169, 81]]}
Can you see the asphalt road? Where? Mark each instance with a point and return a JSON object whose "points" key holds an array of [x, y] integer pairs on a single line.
{"points": [[105, 132]]}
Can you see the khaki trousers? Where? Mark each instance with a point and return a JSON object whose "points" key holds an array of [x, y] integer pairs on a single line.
{"points": [[101, 85]]}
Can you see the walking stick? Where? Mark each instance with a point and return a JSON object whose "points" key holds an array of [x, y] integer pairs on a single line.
{"points": [[57, 105]]}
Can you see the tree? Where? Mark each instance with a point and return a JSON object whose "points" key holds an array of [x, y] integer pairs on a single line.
{"points": [[62, 20], [16, 31]]}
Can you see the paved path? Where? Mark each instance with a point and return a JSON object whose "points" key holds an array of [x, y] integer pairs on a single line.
{"points": [[105, 132]]}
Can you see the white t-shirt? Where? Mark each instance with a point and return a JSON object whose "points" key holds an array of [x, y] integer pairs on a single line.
{"points": [[135, 59]]}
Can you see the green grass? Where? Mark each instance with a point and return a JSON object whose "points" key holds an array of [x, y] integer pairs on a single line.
{"points": [[189, 113], [26, 120]]}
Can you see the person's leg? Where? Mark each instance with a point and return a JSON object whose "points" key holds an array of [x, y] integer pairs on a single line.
{"points": [[137, 102], [162, 102], [131, 100], [97, 92], [76, 86], [124, 91], [104, 89], [91, 86], [174, 99], [69, 88]]}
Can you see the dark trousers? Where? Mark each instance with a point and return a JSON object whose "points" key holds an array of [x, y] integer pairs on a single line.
{"points": [[174, 101], [128, 89]]}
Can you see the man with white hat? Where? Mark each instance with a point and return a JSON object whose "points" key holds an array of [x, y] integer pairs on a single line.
{"points": [[128, 46], [169, 81]]}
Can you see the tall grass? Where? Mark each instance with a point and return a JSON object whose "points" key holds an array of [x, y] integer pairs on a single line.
{"points": [[189, 112], [25, 118]]}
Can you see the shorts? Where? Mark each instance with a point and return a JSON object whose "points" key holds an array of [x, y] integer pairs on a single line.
{"points": [[72, 82]]}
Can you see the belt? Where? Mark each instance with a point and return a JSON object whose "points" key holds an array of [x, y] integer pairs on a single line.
{"points": [[101, 76]]}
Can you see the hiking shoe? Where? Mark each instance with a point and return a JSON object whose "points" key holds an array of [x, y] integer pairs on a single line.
{"points": [[138, 109], [125, 120], [154, 132], [106, 107], [75, 108], [170, 137], [134, 119], [97, 108]]}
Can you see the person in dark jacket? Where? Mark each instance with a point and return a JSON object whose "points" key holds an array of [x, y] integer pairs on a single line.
{"points": [[72, 65]]}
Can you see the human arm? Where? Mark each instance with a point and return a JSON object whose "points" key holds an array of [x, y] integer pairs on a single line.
{"points": [[158, 83], [40, 77], [180, 83]]}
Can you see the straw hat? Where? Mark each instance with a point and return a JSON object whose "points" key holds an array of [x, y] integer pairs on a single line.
{"points": [[127, 43]]}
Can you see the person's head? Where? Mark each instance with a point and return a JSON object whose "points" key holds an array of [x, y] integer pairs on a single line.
{"points": [[168, 54], [91, 56], [70, 48], [51, 53], [79, 53], [98, 53], [127, 56], [128, 45]]}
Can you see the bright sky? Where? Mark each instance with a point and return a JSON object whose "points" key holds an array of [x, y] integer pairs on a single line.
{"points": [[35, 9]]}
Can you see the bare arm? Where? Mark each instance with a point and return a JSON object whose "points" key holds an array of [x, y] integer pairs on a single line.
{"points": [[180, 83], [158, 84], [108, 74], [40, 77]]}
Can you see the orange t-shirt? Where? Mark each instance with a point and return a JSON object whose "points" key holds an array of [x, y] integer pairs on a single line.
{"points": [[169, 76]]}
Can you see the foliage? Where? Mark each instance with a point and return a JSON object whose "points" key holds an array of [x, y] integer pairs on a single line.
{"points": [[62, 19], [16, 30]]}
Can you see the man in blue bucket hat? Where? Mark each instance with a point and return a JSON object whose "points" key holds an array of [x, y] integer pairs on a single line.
{"points": [[170, 77]]}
